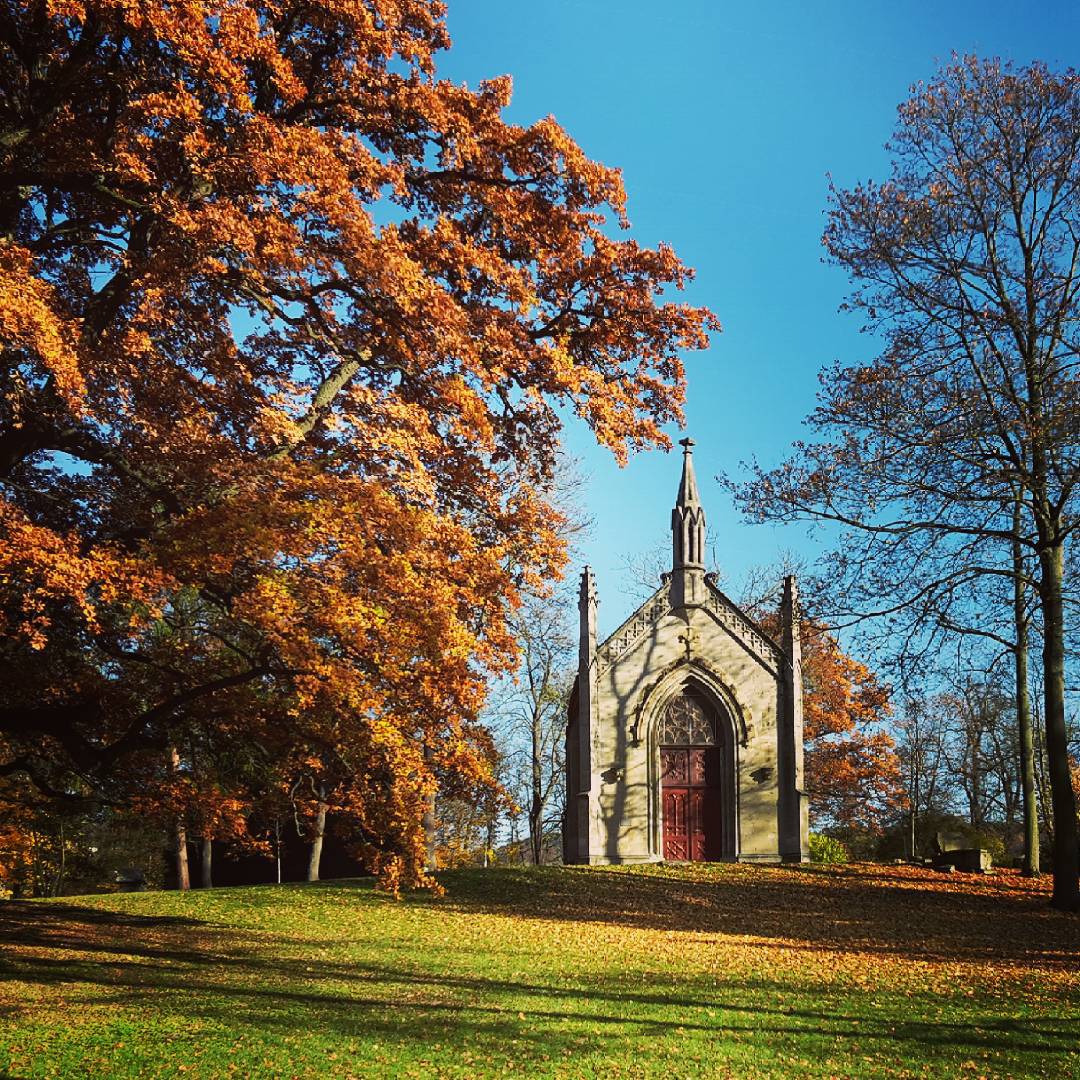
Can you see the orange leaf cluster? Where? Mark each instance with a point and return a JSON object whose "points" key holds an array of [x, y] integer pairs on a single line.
{"points": [[852, 770], [853, 773]]}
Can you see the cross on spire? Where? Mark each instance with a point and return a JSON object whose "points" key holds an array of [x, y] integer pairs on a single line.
{"points": [[689, 639], [688, 492]]}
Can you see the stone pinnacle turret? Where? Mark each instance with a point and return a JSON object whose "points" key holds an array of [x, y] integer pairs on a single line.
{"points": [[687, 536], [688, 517]]}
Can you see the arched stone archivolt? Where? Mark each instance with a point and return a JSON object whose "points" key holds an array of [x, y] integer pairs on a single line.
{"points": [[696, 675], [696, 680]]}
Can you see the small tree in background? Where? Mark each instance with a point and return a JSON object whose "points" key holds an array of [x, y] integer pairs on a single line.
{"points": [[853, 775], [530, 714]]}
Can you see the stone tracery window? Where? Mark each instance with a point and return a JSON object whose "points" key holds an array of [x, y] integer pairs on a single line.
{"points": [[687, 723]]}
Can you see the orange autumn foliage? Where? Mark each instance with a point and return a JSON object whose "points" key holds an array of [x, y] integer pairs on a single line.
{"points": [[16, 838], [288, 326], [852, 771]]}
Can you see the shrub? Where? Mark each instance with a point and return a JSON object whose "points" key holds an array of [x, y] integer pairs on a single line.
{"points": [[827, 849], [993, 842]]}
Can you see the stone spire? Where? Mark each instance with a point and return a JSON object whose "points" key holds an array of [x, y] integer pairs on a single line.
{"points": [[688, 494], [581, 842], [687, 536]]}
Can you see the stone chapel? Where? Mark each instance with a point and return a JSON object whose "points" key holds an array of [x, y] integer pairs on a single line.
{"points": [[684, 739]]}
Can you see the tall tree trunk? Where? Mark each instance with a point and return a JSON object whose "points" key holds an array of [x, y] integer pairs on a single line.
{"points": [[913, 796], [58, 883], [183, 876], [430, 842], [1063, 803], [207, 876], [1023, 706], [315, 860], [1042, 782], [536, 807], [277, 847], [975, 791], [429, 823]]}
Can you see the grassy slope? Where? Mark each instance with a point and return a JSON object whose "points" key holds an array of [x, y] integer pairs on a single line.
{"points": [[676, 971]]}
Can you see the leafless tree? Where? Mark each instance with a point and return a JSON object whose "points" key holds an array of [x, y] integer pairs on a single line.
{"points": [[962, 439], [531, 711]]}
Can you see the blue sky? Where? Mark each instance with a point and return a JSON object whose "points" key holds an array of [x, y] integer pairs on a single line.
{"points": [[726, 119]]}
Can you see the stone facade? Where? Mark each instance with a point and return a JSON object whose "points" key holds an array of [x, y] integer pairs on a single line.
{"points": [[684, 738]]}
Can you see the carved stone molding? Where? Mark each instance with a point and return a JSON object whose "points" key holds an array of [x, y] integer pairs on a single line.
{"points": [[632, 631], [730, 617]]}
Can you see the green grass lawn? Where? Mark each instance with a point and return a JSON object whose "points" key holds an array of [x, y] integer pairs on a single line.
{"points": [[720, 970]]}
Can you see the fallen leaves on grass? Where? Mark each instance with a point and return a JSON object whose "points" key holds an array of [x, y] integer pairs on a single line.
{"points": [[721, 969]]}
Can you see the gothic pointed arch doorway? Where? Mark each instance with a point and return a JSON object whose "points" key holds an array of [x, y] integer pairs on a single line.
{"points": [[697, 780]]}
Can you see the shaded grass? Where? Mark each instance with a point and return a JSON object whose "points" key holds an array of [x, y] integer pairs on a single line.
{"points": [[722, 970]]}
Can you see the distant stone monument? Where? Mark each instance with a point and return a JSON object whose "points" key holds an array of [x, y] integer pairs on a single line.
{"points": [[685, 732], [951, 850], [130, 879]]}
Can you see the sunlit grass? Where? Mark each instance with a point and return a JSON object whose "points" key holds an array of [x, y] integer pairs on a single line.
{"points": [[674, 971]]}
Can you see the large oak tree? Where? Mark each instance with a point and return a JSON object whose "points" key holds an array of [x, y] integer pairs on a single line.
{"points": [[287, 325]]}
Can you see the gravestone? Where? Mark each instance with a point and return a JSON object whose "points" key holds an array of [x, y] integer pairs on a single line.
{"points": [[951, 849]]}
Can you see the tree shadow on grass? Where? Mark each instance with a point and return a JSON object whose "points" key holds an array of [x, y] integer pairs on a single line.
{"points": [[527, 1019], [70, 927], [849, 909], [856, 908], [25, 918], [186, 969]]}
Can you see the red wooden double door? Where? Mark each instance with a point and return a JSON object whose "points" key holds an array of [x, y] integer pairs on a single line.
{"points": [[697, 823]]}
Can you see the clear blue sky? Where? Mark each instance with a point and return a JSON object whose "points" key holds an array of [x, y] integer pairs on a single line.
{"points": [[725, 119]]}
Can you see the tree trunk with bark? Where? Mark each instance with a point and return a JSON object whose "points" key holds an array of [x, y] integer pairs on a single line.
{"points": [[429, 824], [183, 875], [1066, 895], [58, 883], [315, 859], [1023, 706], [430, 841], [536, 787], [277, 847], [207, 876]]}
